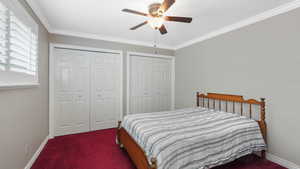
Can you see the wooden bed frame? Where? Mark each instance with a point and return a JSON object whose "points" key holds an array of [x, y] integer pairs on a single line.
{"points": [[210, 100]]}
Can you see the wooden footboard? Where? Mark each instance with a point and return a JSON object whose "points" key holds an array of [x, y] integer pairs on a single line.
{"points": [[135, 152]]}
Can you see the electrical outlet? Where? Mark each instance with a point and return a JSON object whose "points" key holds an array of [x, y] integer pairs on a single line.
{"points": [[27, 149]]}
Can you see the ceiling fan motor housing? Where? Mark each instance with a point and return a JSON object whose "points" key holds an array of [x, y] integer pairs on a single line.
{"points": [[156, 16], [155, 11]]}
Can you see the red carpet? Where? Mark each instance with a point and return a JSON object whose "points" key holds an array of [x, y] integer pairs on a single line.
{"points": [[97, 150]]}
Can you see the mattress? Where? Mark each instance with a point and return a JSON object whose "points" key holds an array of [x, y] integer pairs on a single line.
{"points": [[194, 138]]}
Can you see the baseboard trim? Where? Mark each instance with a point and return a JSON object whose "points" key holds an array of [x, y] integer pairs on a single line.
{"points": [[37, 153], [282, 162]]}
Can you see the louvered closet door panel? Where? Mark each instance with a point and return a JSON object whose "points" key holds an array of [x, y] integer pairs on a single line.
{"points": [[106, 90], [162, 84], [72, 88], [140, 81], [150, 84]]}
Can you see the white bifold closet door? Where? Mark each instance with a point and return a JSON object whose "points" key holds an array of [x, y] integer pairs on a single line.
{"points": [[87, 91], [106, 90], [150, 84], [72, 92]]}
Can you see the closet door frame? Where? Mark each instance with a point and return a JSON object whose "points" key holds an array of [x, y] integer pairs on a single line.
{"points": [[52, 47], [128, 67]]}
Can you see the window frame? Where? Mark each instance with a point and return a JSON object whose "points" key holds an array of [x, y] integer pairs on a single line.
{"points": [[24, 16]]}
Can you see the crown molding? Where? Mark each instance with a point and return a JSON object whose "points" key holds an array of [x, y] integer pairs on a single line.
{"points": [[38, 12], [108, 38], [251, 20], [257, 18]]}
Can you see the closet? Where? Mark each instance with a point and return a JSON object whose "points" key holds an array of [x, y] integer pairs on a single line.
{"points": [[86, 90], [150, 83]]}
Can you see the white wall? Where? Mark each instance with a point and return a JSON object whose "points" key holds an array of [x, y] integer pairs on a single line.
{"points": [[261, 60], [24, 113]]}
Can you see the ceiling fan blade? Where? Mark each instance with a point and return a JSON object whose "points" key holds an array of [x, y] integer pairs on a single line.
{"points": [[134, 12], [163, 30], [178, 19], [139, 25], [166, 5]]}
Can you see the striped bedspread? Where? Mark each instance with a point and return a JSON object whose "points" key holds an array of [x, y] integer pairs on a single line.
{"points": [[194, 138]]}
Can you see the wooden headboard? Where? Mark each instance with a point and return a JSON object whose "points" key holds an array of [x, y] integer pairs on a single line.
{"points": [[214, 101]]}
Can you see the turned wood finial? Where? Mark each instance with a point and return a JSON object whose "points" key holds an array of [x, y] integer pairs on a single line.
{"points": [[263, 100], [198, 102], [263, 118], [119, 124], [153, 163], [263, 109], [118, 133]]}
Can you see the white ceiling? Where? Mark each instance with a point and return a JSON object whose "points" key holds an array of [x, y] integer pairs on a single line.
{"points": [[103, 19]]}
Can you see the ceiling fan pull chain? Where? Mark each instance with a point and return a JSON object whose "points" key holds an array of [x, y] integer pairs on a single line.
{"points": [[155, 42]]}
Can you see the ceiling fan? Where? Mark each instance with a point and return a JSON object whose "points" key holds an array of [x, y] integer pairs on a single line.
{"points": [[156, 16]]}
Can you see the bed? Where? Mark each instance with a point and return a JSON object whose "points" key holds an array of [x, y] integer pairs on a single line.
{"points": [[209, 135]]}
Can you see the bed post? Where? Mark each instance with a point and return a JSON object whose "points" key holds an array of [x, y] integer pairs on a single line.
{"points": [[197, 97], [153, 163], [118, 133], [263, 125]]}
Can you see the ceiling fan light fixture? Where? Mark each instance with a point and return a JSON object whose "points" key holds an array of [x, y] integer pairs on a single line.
{"points": [[156, 16], [156, 22]]}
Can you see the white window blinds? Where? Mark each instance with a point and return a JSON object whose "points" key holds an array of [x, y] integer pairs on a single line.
{"points": [[3, 36], [23, 47], [18, 44]]}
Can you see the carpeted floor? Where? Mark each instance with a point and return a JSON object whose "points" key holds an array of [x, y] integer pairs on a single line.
{"points": [[97, 150]]}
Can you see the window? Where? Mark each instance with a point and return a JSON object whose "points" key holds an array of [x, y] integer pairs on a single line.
{"points": [[18, 45]]}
